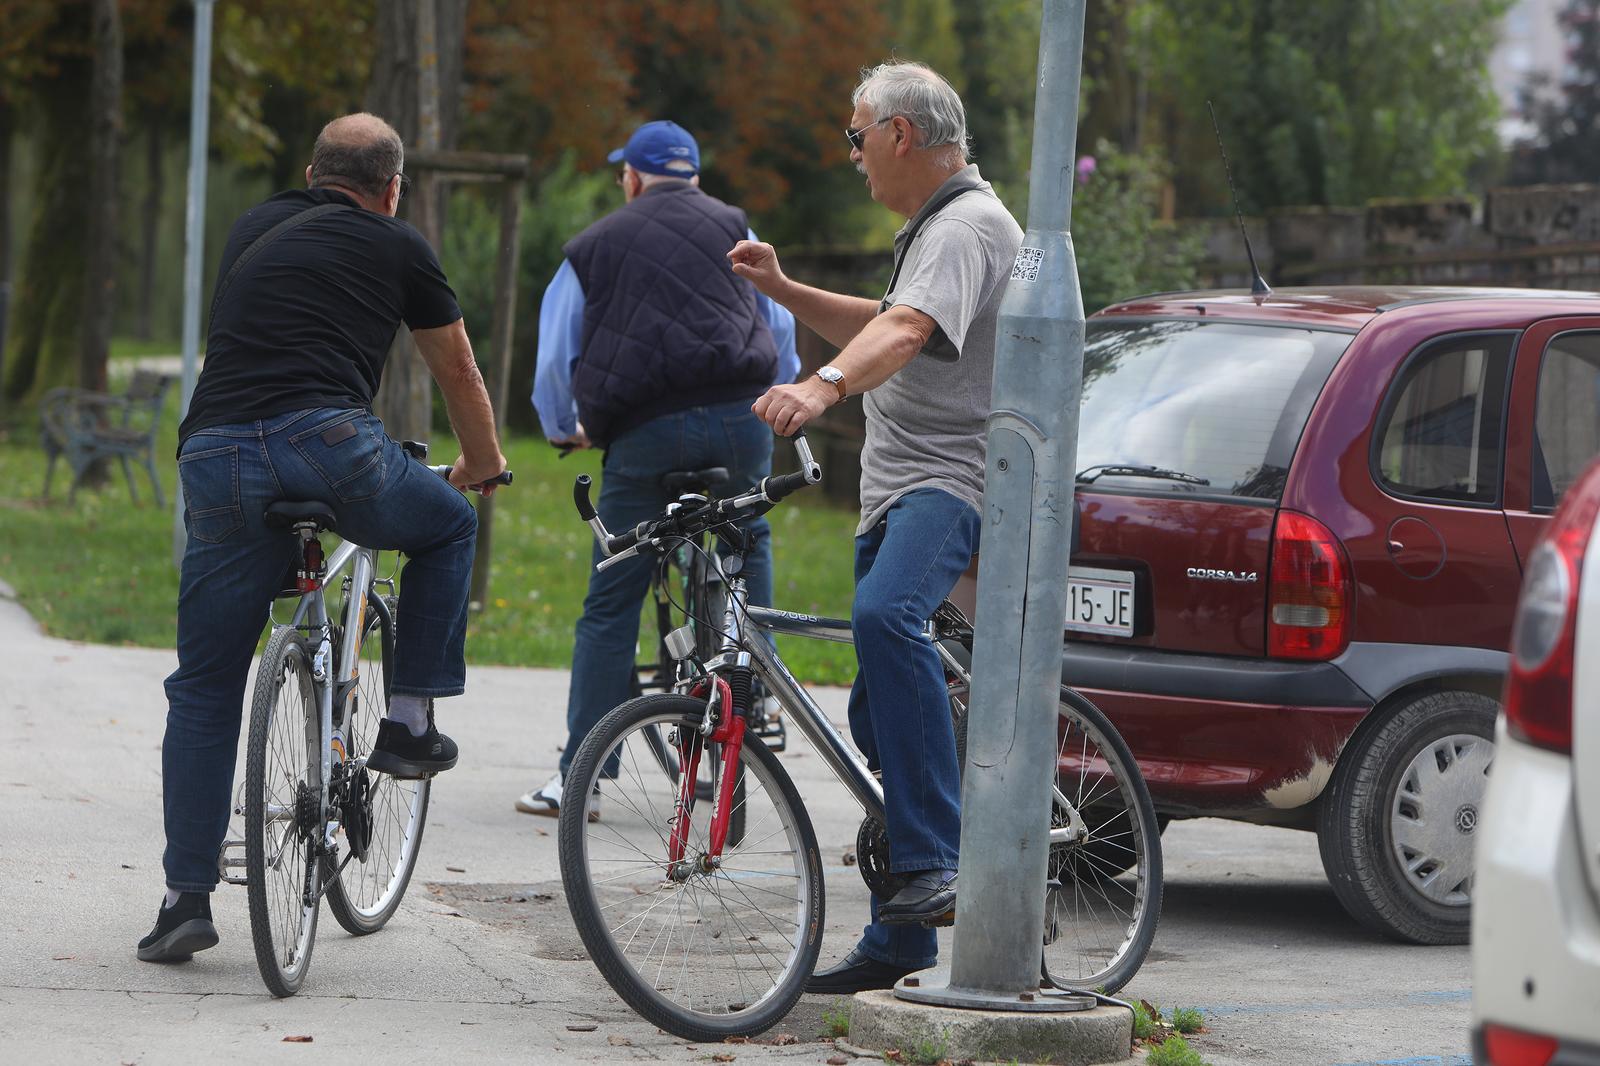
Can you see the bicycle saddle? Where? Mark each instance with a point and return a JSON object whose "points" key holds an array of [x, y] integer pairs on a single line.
{"points": [[677, 482], [285, 513]]}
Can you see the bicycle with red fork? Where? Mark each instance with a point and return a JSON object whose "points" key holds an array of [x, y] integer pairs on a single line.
{"points": [[709, 923]]}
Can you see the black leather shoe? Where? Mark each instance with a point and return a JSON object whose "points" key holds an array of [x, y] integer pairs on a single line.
{"points": [[927, 897], [400, 754], [858, 972], [181, 930]]}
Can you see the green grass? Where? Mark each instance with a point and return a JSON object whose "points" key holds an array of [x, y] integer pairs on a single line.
{"points": [[1144, 1021], [1174, 1051], [100, 570], [133, 348], [836, 1019], [1187, 1020]]}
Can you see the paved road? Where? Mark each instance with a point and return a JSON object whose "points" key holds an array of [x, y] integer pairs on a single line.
{"points": [[482, 963]]}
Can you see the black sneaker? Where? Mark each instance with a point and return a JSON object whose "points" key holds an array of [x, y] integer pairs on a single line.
{"points": [[181, 930], [400, 754]]}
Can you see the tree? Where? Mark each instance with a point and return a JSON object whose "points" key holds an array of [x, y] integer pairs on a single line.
{"points": [[104, 151], [1330, 103], [1567, 147]]}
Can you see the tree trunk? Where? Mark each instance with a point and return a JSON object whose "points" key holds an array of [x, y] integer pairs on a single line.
{"points": [[415, 86], [155, 145], [105, 141], [47, 324], [7, 119]]}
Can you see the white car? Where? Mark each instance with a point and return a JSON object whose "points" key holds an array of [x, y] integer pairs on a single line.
{"points": [[1536, 902]]}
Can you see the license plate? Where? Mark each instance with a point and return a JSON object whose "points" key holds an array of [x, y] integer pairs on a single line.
{"points": [[1100, 601]]}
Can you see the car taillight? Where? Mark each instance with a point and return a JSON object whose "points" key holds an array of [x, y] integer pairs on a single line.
{"points": [[1544, 637], [1308, 600], [1509, 1047]]}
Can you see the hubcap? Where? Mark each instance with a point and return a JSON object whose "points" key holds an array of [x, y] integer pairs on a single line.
{"points": [[1435, 812]]}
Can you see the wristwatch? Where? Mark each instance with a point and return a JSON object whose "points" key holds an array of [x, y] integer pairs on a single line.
{"points": [[835, 377]]}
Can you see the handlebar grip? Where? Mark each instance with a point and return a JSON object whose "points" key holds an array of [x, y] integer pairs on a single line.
{"points": [[580, 497], [621, 542], [502, 478], [776, 488]]}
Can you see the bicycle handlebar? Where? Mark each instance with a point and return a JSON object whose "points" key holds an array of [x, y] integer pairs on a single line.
{"points": [[617, 547], [502, 478]]}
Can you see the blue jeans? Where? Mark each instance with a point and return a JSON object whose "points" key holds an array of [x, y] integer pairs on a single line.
{"points": [[233, 565], [607, 634], [899, 706]]}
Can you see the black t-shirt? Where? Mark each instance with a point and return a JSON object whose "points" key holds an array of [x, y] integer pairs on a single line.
{"points": [[308, 321]]}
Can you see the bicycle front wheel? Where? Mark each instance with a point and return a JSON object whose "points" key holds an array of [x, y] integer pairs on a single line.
{"points": [[283, 767], [704, 947], [1103, 899], [381, 817]]}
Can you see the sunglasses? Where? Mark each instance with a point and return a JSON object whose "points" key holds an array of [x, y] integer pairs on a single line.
{"points": [[405, 184], [857, 136]]}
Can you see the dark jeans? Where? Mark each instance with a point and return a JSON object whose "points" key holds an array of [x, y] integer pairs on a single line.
{"points": [[899, 706], [607, 635], [233, 564]]}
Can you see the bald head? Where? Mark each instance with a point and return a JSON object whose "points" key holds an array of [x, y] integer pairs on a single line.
{"points": [[360, 151]]}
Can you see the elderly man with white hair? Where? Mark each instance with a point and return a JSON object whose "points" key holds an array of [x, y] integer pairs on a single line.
{"points": [[923, 360]]}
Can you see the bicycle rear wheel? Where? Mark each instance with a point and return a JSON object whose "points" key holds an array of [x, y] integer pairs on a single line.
{"points": [[1104, 896], [381, 816], [704, 949], [282, 772]]}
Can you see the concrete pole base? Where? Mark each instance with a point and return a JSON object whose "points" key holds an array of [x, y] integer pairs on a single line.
{"points": [[927, 1034]]}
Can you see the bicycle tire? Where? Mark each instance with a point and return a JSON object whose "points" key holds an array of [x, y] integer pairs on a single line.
{"points": [[1083, 866], [396, 811], [589, 878], [276, 884]]}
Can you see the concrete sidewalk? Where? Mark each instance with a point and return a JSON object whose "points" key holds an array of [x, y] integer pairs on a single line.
{"points": [[482, 963]]}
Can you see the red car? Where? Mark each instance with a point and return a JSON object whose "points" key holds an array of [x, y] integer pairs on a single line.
{"points": [[1302, 523]]}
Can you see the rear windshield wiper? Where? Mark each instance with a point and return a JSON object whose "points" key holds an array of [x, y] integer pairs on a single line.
{"points": [[1090, 474]]}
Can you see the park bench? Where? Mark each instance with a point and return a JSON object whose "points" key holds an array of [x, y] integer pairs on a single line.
{"points": [[87, 427]]}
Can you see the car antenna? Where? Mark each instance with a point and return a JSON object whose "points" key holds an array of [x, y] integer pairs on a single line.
{"points": [[1258, 284]]}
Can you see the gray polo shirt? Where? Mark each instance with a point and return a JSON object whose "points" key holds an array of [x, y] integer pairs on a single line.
{"points": [[925, 425]]}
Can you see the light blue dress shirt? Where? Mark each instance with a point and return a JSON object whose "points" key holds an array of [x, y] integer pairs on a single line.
{"points": [[561, 342]]}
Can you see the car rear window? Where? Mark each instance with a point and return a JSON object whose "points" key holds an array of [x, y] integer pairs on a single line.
{"points": [[1222, 402]]}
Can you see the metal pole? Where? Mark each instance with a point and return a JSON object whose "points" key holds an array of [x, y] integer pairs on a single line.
{"points": [[1028, 502], [194, 238]]}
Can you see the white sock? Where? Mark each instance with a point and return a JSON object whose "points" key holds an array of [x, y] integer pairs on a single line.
{"points": [[411, 711], [172, 897]]}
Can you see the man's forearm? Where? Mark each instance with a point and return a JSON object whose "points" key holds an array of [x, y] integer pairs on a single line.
{"points": [[834, 317], [448, 355]]}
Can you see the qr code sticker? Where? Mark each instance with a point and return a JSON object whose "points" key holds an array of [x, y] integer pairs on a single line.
{"points": [[1026, 268]]}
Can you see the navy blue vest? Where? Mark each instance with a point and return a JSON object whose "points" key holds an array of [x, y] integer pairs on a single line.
{"points": [[666, 324]]}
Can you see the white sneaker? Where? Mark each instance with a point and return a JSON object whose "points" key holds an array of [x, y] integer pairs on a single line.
{"points": [[546, 801]]}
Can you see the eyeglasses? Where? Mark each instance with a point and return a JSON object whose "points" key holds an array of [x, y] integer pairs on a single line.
{"points": [[405, 184], [857, 136], [622, 177]]}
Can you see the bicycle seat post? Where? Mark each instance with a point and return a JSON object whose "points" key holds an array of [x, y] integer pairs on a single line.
{"points": [[309, 577]]}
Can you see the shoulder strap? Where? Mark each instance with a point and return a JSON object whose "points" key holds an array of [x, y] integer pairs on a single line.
{"points": [[938, 205], [265, 239]]}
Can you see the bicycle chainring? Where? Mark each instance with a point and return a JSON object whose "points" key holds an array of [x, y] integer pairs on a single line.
{"points": [[356, 811], [872, 856]]}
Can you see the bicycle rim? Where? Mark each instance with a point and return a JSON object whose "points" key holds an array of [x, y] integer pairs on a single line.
{"points": [[1104, 896], [282, 768], [703, 954], [389, 813]]}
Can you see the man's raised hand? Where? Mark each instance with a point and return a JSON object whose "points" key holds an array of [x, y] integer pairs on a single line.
{"points": [[757, 263]]}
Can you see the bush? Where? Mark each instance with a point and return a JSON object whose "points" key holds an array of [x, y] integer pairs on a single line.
{"points": [[1188, 1020], [1123, 247], [1175, 1051]]}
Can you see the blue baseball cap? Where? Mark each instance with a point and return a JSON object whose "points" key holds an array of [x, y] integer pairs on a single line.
{"points": [[660, 148]]}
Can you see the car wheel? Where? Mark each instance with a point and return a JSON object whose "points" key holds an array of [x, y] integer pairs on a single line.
{"points": [[1397, 827]]}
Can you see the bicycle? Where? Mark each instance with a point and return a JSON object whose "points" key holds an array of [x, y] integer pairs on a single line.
{"points": [[320, 691], [710, 937]]}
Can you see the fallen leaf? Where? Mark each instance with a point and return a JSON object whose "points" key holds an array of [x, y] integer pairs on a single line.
{"points": [[125, 866], [296, 1040], [541, 832], [838, 1060], [785, 1039], [584, 1027], [894, 1055], [619, 1041], [723, 1057], [736, 1040], [456, 869]]}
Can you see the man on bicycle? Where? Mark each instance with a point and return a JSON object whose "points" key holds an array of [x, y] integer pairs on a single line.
{"points": [[924, 359], [650, 348], [312, 287]]}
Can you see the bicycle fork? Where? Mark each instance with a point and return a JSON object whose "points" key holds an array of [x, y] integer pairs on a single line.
{"points": [[729, 734]]}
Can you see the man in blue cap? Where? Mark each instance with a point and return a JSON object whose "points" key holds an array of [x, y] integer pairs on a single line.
{"points": [[652, 349]]}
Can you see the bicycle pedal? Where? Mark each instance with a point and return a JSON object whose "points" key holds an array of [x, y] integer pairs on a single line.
{"points": [[225, 863], [942, 921]]}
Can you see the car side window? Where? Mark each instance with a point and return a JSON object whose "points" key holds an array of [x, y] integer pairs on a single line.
{"points": [[1567, 425], [1440, 437]]}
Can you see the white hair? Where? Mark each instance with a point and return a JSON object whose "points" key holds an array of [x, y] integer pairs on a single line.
{"points": [[917, 93]]}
